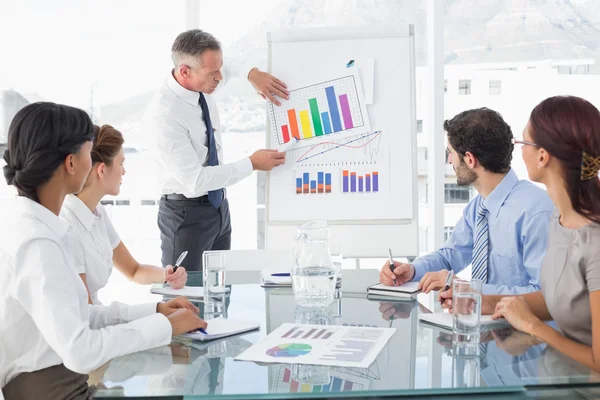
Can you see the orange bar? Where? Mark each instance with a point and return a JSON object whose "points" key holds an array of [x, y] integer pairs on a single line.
{"points": [[328, 189], [313, 190], [298, 190], [294, 123], [354, 173], [345, 173], [375, 173]]}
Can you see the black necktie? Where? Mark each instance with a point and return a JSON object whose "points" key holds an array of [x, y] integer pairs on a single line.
{"points": [[214, 196]]}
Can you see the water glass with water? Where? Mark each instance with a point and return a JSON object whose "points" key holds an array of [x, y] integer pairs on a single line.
{"points": [[466, 308], [213, 273]]}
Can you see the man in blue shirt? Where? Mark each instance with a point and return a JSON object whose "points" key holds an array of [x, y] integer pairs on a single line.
{"points": [[503, 230]]}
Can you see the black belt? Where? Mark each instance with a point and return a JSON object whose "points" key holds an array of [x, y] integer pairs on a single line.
{"points": [[179, 197]]}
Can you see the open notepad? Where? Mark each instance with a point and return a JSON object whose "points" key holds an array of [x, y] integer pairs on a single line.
{"points": [[406, 290], [444, 320], [196, 292], [219, 328]]}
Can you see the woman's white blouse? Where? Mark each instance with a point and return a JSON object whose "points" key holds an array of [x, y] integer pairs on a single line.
{"points": [[46, 318], [95, 240]]}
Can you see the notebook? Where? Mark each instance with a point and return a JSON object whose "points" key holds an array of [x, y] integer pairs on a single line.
{"points": [[406, 290], [267, 280], [444, 320], [187, 291], [219, 328]]}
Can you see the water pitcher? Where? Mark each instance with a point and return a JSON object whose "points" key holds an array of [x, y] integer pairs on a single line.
{"points": [[313, 275]]}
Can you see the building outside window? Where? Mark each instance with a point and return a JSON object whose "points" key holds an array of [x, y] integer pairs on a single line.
{"points": [[455, 194], [495, 87], [464, 86]]}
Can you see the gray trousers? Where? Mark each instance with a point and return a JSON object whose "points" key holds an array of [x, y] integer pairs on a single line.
{"points": [[194, 226], [53, 383]]}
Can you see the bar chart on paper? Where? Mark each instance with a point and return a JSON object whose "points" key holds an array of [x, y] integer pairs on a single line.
{"points": [[306, 185], [284, 382], [326, 108]]}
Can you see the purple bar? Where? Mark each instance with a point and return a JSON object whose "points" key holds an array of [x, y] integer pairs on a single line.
{"points": [[360, 183], [327, 335], [322, 331], [345, 179], [375, 181], [346, 111], [368, 183], [288, 333], [308, 334], [353, 182], [297, 334], [347, 386]]}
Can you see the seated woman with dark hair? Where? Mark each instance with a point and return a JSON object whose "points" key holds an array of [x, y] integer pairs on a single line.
{"points": [[98, 246], [50, 337], [561, 149]]}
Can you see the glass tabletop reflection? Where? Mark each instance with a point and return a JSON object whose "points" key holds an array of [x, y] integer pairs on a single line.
{"points": [[417, 358]]}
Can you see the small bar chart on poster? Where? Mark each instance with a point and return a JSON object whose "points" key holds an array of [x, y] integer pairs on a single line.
{"points": [[335, 381], [319, 184], [354, 182], [331, 108]]}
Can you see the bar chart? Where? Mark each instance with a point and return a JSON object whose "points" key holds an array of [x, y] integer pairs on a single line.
{"points": [[354, 183], [317, 110], [335, 384], [307, 185], [313, 333]]}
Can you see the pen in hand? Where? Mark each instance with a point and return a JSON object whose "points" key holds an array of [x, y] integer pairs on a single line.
{"points": [[447, 284], [178, 262], [392, 264]]}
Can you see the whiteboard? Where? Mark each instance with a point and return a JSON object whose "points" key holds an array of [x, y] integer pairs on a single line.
{"points": [[370, 171]]}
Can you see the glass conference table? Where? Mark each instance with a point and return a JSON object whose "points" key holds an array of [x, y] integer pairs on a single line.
{"points": [[418, 359]]}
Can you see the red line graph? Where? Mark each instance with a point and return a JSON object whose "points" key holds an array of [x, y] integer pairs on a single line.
{"points": [[304, 157]]}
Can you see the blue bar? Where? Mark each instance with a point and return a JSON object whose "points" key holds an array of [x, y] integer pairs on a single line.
{"points": [[368, 183], [313, 185], [326, 122], [333, 109], [327, 388], [320, 178], [360, 183], [299, 183], [375, 182], [306, 178], [353, 183], [327, 179], [337, 385]]}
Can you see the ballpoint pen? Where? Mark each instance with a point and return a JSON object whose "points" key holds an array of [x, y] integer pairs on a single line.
{"points": [[180, 260], [392, 265], [447, 284]]}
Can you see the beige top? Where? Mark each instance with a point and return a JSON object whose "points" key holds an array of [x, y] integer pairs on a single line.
{"points": [[570, 272]]}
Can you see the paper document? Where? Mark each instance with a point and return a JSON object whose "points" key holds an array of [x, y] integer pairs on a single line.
{"points": [[187, 291], [444, 320], [343, 346], [220, 328]]}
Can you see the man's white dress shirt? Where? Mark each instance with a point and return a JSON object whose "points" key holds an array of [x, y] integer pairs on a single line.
{"points": [[46, 318], [176, 131]]}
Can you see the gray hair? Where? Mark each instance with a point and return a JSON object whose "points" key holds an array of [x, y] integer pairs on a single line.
{"points": [[189, 46]]}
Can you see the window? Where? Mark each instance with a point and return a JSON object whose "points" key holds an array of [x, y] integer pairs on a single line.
{"points": [[419, 126], [495, 87], [426, 155], [107, 202], [455, 194], [448, 232], [122, 202], [464, 86], [445, 86], [148, 202]]}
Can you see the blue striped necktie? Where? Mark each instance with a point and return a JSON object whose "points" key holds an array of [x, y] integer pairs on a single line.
{"points": [[480, 246], [215, 197]]}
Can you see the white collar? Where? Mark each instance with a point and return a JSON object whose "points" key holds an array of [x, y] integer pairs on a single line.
{"points": [[36, 210], [184, 94], [81, 211]]}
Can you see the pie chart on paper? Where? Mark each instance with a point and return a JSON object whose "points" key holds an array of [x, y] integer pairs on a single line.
{"points": [[289, 350]]}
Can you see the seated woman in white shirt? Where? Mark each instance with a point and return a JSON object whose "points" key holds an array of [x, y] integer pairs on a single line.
{"points": [[50, 337], [98, 245]]}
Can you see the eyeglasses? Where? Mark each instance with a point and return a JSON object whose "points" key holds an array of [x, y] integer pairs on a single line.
{"points": [[515, 141]]}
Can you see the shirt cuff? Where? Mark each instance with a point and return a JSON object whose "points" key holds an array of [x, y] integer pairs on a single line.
{"points": [[156, 330], [138, 311], [419, 271], [244, 166]]}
